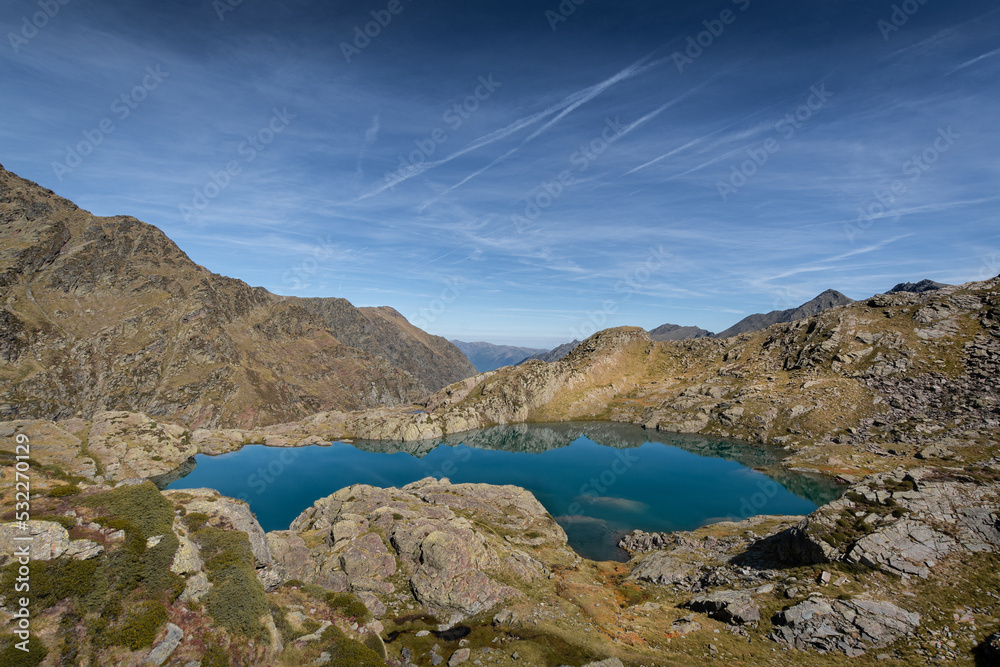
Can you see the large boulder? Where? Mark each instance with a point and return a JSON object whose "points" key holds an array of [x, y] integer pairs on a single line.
{"points": [[662, 568], [733, 607], [47, 539], [846, 626]]}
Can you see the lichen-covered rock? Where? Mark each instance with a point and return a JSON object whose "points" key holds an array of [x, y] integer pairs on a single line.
{"points": [[848, 626], [367, 558], [166, 647], [452, 567], [187, 559], [84, 549], [130, 444], [906, 547], [47, 539]]}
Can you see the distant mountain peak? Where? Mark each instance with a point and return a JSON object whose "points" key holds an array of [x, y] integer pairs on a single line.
{"points": [[924, 285], [677, 332], [823, 301]]}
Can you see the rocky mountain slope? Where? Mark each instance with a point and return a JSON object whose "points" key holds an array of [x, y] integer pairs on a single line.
{"points": [[677, 332], [489, 357], [828, 299], [432, 360], [109, 314]]}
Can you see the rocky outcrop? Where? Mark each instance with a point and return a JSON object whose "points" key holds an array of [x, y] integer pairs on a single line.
{"points": [[922, 286], [847, 626], [45, 540], [905, 523], [131, 445], [227, 514], [663, 568], [423, 540], [733, 607], [162, 652]]}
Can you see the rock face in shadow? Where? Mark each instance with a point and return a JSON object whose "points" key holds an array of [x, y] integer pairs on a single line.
{"points": [[109, 314], [425, 540], [922, 286]]}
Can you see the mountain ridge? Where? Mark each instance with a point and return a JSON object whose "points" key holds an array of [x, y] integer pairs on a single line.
{"points": [[109, 313], [825, 300], [678, 332]]}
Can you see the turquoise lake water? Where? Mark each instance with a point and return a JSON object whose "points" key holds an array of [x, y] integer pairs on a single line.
{"points": [[599, 480]]}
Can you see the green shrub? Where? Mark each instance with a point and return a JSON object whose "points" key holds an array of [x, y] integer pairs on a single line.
{"points": [[215, 656], [237, 600], [348, 605], [114, 523], [352, 653], [55, 580], [374, 643], [133, 566], [195, 521], [141, 625], [11, 656], [64, 491], [142, 505]]}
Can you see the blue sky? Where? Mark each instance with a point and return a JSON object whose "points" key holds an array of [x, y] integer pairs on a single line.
{"points": [[526, 172]]}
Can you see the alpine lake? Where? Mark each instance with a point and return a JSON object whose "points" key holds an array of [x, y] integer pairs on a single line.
{"points": [[600, 480]]}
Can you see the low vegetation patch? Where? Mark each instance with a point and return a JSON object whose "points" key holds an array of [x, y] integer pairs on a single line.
{"points": [[121, 596], [344, 603], [237, 600], [64, 491]]}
